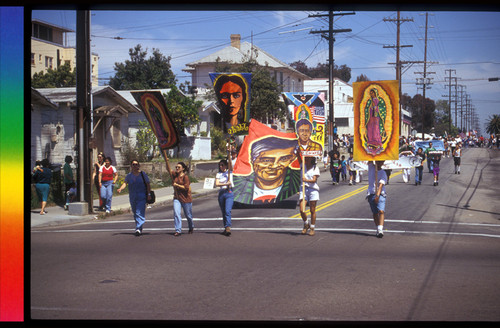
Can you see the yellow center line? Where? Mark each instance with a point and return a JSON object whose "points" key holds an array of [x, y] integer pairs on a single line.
{"points": [[340, 198]]}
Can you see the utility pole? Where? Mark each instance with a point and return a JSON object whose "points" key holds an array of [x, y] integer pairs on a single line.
{"points": [[331, 81], [461, 106], [449, 96], [83, 116], [424, 81], [398, 22]]}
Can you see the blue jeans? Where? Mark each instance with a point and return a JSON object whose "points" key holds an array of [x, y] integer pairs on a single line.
{"points": [[107, 194], [188, 212], [138, 206], [226, 200], [418, 174]]}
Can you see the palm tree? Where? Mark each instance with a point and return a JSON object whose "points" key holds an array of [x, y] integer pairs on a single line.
{"points": [[493, 126]]}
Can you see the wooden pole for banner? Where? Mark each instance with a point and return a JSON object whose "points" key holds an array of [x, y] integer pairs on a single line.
{"points": [[164, 152], [303, 202], [376, 176]]}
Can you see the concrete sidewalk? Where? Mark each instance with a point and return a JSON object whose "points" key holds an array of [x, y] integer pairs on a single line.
{"points": [[56, 215]]}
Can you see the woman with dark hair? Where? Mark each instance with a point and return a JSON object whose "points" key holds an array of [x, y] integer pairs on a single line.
{"points": [[223, 180], [138, 188], [43, 177], [95, 177], [107, 179], [182, 198], [231, 93]]}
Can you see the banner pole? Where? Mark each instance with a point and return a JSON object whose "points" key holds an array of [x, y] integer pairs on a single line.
{"points": [[303, 202]]}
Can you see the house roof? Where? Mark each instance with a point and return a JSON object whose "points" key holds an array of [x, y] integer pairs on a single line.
{"points": [[235, 55], [37, 97], [63, 29], [68, 95]]}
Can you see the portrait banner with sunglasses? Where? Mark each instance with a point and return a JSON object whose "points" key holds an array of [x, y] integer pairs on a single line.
{"points": [[232, 91], [267, 170], [307, 110]]}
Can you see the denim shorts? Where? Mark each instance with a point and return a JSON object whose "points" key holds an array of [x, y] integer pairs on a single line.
{"points": [[376, 207], [311, 194]]}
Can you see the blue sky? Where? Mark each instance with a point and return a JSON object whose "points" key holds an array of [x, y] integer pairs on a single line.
{"points": [[467, 42]]}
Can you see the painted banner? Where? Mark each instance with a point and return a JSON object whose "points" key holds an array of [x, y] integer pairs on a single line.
{"points": [[404, 162], [267, 169], [308, 113], [232, 91], [436, 144], [154, 108], [376, 120]]}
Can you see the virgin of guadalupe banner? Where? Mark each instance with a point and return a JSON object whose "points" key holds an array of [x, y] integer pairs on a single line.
{"points": [[267, 169], [308, 113], [232, 91], [376, 120], [154, 108]]}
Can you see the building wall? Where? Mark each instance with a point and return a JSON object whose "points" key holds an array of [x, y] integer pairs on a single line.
{"points": [[42, 49]]}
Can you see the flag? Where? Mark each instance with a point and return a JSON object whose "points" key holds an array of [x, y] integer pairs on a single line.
{"points": [[232, 91], [266, 170], [376, 120], [154, 108]]}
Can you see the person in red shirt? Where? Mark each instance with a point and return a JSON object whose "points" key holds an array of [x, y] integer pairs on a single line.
{"points": [[107, 179]]}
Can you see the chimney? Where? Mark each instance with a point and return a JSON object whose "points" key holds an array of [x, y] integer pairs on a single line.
{"points": [[235, 41]]}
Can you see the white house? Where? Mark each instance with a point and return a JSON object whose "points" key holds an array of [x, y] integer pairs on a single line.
{"points": [[343, 111]]}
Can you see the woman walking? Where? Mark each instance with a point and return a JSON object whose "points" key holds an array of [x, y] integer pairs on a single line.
{"points": [[68, 177], [182, 198], [95, 177], [311, 194], [138, 188], [223, 179], [107, 179], [42, 177]]}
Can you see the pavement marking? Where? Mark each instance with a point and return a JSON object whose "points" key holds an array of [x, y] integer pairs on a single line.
{"points": [[331, 202], [371, 231]]}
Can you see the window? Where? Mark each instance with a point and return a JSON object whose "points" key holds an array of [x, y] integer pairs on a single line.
{"points": [[342, 121], [32, 59], [48, 62], [42, 32]]}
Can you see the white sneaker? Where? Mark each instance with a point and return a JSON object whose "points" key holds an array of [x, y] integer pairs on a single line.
{"points": [[380, 234], [137, 232]]}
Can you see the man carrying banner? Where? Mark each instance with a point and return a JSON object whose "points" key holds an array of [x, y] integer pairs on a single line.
{"points": [[377, 179]]}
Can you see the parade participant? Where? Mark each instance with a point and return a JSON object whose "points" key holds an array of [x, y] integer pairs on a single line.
{"points": [[352, 171], [377, 195], [182, 198], [436, 158], [335, 168], [138, 192], [95, 177], [107, 179], [223, 180], [419, 169], [456, 157], [311, 194], [343, 168], [429, 162], [43, 177]]}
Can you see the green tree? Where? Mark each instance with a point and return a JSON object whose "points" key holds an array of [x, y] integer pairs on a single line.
{"points": [[146, 141], [61, 77], [442, 120], [362, 77], [322, 70], [140, 72], [493, 126], [184, 110]]}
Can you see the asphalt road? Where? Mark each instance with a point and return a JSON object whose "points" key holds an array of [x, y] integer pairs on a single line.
{"points": [[438, 261]]}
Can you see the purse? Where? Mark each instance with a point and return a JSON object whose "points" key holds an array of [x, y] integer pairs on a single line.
{"points": [[151, 193]]}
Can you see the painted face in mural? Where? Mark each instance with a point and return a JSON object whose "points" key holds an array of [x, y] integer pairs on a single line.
{"points": [[231, 94], [270, 167], [304, 133]]}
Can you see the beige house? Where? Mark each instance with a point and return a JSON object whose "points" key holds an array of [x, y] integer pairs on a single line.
{"points": [[49, 49]]}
